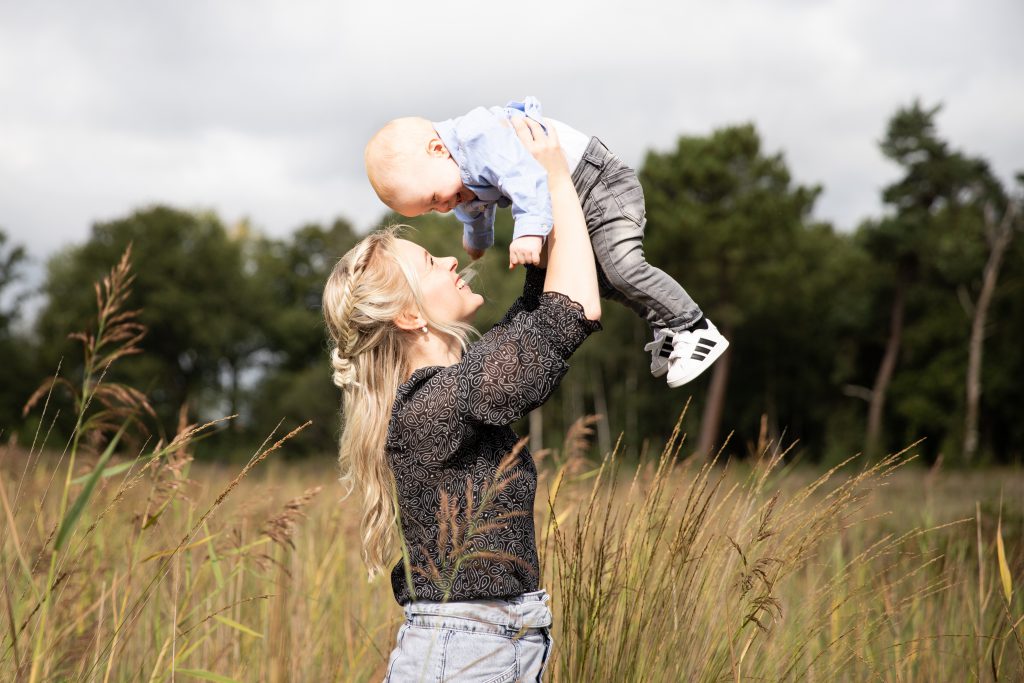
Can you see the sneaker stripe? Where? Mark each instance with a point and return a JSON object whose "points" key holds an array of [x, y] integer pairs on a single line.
{"points": [[666, 351], [703, 349], [698, 356], [706, 342]]}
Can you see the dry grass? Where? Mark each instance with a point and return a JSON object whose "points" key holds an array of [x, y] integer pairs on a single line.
{"points": [[654, 576], [154, 567]]}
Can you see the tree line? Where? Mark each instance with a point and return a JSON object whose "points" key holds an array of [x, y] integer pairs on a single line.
{"points": [[907, 326]]}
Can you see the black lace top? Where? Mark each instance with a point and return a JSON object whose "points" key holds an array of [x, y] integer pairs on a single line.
{"points": [[465, 491]]}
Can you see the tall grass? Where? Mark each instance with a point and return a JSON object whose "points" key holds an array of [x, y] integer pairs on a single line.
{"points": [[145, 565], [697, 572]]}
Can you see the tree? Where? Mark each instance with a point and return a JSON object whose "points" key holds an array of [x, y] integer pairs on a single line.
{"points": [[929, 208], [724, 213], [16, 378], [11, 260], [290, 274], [999, 234], [801, 335], [202, 309], [296, 379], [1000, 429]]}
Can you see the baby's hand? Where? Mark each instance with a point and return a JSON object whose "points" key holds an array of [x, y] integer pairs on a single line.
{"points": [[473, 252], [525, 250]]}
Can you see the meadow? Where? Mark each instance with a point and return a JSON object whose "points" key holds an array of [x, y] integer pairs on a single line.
{"points": [[697, 572], [125, 559]]}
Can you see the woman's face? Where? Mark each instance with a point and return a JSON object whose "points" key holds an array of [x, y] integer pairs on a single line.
{"points": [[445, 295]]}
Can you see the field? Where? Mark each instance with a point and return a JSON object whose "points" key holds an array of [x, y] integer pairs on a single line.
{"points": [[666, 571], [127, 560]]}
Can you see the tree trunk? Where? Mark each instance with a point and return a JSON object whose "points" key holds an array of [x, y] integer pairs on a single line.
{"points": [[887, 367], [711, 420], [999, 242]]}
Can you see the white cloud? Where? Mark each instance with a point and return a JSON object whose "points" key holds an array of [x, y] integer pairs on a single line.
{"points": [[262, 108]]}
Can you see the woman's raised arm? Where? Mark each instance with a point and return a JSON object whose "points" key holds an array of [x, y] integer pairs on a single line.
{"points": [[570, 268]]}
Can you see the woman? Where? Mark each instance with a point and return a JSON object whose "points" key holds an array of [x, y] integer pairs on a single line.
{"points": [[427, 438]]}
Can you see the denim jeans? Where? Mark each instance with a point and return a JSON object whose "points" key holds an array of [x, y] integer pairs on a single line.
{"points": [[613, 205], [485, 641]]}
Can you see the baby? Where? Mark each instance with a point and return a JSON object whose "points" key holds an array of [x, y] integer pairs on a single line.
{"points": [[474, 163]]}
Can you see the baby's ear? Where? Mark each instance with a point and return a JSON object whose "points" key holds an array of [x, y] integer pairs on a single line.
{"points": [[437, 148]]}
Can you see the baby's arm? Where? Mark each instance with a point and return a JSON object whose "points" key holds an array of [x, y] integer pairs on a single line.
{"points": [[526, 185], [478, 230], [496, 157]]}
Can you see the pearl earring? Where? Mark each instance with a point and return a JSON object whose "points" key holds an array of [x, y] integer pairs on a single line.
{"points": [[424, 328]]}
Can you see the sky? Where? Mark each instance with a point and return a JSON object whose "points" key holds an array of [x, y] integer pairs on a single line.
{"points": [[260, 109]]}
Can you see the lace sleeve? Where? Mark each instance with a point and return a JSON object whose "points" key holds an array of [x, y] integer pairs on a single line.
{"points": [[518, 368], [510, 371], [533, 287]]}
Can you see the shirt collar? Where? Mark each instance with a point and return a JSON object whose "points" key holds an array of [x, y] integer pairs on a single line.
{"points": [[446, 130]]}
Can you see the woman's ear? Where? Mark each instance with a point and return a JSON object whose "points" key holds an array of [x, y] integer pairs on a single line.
{"points": [[410, 319]]}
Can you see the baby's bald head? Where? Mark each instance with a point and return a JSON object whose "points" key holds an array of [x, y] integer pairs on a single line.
{"points": [[411, 170], [394, 152]]}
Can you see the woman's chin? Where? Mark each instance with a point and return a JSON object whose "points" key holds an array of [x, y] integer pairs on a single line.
{"points": [[475, 302]]}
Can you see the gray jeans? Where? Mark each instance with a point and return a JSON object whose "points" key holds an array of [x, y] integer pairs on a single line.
{"points": [[613, 205], [488, 641]]}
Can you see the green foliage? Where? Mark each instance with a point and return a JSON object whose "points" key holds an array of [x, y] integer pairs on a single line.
{"points": [[202, 309], [1004, 363], [235, 322], [17, 371], [931, 246], [74, 513], [296, 384], [726, 220], [290, 274], [11, 259], [728, 211]]}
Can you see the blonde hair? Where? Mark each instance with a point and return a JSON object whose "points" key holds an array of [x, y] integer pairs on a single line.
{"points": [[367, 290], [391, 150]]}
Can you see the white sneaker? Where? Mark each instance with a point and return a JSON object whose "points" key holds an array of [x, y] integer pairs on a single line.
{"points": [[693, 352], [661, 349]]}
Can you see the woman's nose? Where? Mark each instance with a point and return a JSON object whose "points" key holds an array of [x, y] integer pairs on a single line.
{"points": [[454, 263]]}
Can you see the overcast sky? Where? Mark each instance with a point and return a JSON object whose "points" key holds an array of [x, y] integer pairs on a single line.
{"points": [[261, 109]]}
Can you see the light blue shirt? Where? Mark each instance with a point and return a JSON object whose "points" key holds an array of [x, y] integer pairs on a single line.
{"points": [[498, 169]]}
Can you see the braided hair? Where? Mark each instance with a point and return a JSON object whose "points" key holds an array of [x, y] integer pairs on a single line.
{"points": [[367, 290]]}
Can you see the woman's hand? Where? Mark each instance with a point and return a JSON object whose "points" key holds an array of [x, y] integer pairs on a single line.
{"points": [[544, 147], [570, 257]]}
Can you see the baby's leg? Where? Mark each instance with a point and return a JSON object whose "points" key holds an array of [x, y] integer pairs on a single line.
{"points": [[616, 223]]}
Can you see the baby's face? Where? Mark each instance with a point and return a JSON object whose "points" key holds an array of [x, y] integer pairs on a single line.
{"points": [[434, 184]]}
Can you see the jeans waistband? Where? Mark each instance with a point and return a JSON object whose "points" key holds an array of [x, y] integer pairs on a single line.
{"points": [[594, 159], [526, 611]]}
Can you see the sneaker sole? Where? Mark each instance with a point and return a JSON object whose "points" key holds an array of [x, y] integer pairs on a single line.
{"points": [[709, 361]]}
